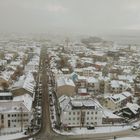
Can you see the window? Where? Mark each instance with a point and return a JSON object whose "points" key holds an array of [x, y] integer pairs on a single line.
{"points": [[8, 123], [73, 118], [96, 112], [91, 112], [69, 118], [77, 118], [78, 113], [91, 118], [87, 118], [73, 113], [95, 118], [15, 115], [69, 113], [8, 115], [2, 116], [88, 112]]}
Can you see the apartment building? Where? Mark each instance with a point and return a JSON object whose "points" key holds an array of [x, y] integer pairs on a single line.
{"points": [[15, 114], [117, 86], [79, 112]]}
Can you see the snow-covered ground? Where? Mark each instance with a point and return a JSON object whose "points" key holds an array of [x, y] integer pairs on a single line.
{"points": [[78, 131], [128, 138], [12, 136]]}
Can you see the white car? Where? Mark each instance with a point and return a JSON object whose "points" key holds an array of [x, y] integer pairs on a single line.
{"points": [[135, 127], [31, 139]]}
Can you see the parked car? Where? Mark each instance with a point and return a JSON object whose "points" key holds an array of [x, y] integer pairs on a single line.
{"points": [[90, 127]]}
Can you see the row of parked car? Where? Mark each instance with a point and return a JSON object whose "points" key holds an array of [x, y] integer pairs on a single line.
{"points": [[52, 104]]}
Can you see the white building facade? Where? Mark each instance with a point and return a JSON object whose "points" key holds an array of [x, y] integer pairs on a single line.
{"points": [[77, 112]]}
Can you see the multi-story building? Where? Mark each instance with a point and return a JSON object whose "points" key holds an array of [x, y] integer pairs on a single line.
{"points": [[92, 85], [81, 82], [88, 71], [117, 101], [79, 112], [25, 84], [15, 115], [65, 86], [118, 86]]}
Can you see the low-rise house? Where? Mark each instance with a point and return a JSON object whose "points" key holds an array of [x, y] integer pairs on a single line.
{"points": [[25, 84], [117, 101], [5, 79], [9, 57], [92, 85], [130, 111], [65, 86], [104, 83], [79, 112], [81, 82], [126, 78], [110, 118], [79, 71], [65, 70], [3, 63], [15, 63], [33, 65], [88, 71], [82, 92], [100, 65], [117, 86]]}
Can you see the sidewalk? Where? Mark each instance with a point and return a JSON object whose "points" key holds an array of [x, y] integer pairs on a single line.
{"points": [[12, 136], [82, 131]]}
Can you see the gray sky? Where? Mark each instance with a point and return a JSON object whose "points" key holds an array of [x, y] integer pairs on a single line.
{"points": [[75, 16]]}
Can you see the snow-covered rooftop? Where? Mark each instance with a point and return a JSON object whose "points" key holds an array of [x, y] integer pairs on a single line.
{"points": [[18, 104], [26, 81], [67, 103], [62, 81], [133, 107]]}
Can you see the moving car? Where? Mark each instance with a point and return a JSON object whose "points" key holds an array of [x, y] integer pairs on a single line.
{"points": [[135, 127]]}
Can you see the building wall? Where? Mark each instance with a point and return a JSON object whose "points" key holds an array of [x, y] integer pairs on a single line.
{"points": [[117, 89], [112, 105], [81, 118], [14, 121], [93, 87], [65, 90]]}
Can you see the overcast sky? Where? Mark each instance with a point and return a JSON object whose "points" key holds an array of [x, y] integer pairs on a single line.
{"points": [[77, 16]]}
